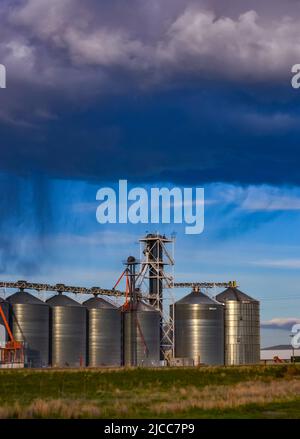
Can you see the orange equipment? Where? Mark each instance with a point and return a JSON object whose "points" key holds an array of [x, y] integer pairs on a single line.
{"points": [[13, 352], [124, 273]]}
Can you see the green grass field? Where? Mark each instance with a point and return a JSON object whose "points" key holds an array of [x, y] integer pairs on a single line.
{"points": [[212, 392]]}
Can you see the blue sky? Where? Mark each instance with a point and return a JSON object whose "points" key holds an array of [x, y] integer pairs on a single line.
{"points": [[178, 93], [251, 235]]}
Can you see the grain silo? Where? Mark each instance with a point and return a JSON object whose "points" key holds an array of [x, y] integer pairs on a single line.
{"points": [[242, 327], [141, 332], [67, 332], [199, 329], [29, 320], [104, 333]]}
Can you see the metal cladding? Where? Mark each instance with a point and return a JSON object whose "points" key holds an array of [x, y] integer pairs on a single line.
{"points": [[141, 335], [199, 329], [155, 255], [68, 332], [3, 332], [29, 320], [104, 333], [242, 327]]}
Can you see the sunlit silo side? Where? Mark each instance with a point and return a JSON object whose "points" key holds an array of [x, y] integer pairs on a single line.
{"points": [[199, 329], [68, 332], [141, 332], [29, 320], [3, 333], [104, 333], [242, 327]]}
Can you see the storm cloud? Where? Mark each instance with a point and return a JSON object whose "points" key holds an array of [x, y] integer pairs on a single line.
{"points": [[185, 91], [152, 43]]}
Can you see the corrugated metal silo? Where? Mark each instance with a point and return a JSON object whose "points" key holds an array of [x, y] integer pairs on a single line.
{"points": [[29, 320], [68, 332], [242, 327], [199, 329], [141, 343], [104, 333]]}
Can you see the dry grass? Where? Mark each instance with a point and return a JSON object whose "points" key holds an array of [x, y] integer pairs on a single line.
{"points": [[134, 393], [227, 397], [56, 408], [160, 403]]}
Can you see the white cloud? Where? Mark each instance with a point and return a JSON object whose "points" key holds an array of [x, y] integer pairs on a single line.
{"points": [[269, 202], [197, 41], [285, 323], [69, 26], [103, 47], [255, 198], [46, 19], [293, 264], [248, 46], [69, 45]]}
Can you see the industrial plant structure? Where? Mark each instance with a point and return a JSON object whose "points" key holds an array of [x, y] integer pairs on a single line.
{"points": [[199, 329]]}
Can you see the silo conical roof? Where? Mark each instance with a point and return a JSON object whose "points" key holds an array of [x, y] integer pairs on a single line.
{"points": [[144, 307], [197, 298], [235, 294], [22, 297], [98, 303], [141, 306], [61, 300]]}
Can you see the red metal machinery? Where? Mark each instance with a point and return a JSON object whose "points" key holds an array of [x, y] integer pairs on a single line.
{"points": [[13, 352], [127, 291]]}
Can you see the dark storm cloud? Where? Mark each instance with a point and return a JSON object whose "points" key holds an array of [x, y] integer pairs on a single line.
{"points": [[185, 136], [187, 91], [26, 210], [96, 46], [160, 90]]}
